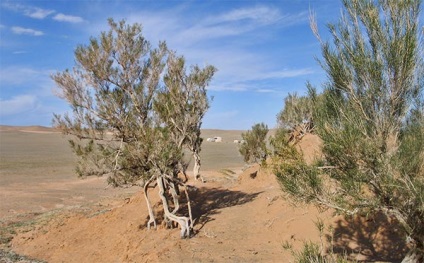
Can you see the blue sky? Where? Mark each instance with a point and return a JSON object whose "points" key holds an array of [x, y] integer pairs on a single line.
{"points": [[263, 50]]}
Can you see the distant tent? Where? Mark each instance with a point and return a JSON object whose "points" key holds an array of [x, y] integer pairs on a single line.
{"points": [[218, 139], [214, 139]]}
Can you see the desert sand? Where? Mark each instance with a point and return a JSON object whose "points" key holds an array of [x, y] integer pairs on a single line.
{"points": [[241, 214]]}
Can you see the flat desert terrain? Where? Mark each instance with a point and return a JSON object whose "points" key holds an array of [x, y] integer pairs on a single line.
{"points": [[47, 214], [37, 169]]}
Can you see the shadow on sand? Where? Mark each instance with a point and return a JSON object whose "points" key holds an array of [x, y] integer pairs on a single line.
{"points": [[206, 202], [369, 239]]}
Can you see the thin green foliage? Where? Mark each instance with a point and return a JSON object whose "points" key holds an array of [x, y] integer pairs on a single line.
{"points": [[370, 118], [134, 110], [254, 148], [134, 107], [297, 109]]}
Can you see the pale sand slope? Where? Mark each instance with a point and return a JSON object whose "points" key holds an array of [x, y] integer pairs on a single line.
{"points": [[245, 220], [239, 219]]}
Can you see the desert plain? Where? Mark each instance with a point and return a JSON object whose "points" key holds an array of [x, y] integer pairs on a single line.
{"points": [[47, 214]]}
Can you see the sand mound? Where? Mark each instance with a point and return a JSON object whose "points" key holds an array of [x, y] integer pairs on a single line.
{"points": [[246, 222], [310, 146], [240, 219]]}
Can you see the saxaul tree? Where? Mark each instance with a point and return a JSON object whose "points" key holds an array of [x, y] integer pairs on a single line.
{"points": [[113, 125], [297, 110], [182, 104], [253, 148], [370, 118], [296, 117]]}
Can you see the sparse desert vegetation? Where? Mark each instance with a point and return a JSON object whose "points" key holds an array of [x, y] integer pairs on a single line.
{"points": [[370, 117], [340, 180], [239, 217]]}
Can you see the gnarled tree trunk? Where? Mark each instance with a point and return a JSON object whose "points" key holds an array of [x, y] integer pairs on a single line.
{"points": [[152, 219], [196, 168], [181, 220], [414, 256]]}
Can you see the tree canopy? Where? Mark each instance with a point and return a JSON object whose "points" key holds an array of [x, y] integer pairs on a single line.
{"points": [[134, 109], [297, 110], [370, 118], [253, 148]]}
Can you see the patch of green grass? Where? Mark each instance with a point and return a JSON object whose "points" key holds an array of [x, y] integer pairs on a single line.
{"points": [[8, 256], [287, 245], [227, 172], [22, 223]]}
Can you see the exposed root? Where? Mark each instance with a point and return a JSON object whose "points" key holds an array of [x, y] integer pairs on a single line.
{"points": [[174, 193], [189, 207], [152, 219], [181, 220], [169, 185]]}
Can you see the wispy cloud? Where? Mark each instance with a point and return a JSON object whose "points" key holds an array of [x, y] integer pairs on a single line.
{"points": [[228, 86], [239, 80], [16, 75], [27, 96], [206, 42], [203, 33], [231, 23], [17, 104], [175, 26], [39, 13], [18, 52], [266, 91], [226, 40], [26, 31], [259, 14], [30, 11], [288, 73], [68, 18], [255, 17]]}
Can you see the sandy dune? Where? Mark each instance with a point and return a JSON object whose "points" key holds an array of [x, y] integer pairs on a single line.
{"points": [[241, 216]]}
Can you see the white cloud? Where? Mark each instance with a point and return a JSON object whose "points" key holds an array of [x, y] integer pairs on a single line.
{"points": [[19, 52], [282, 74], [232, 23], [16, 75], [175, 27], [247, 78], [226, 40], [67, 18], [228, 86], [39, 13], [26, 31], [265, 91], [260, 14], [33, 12], [202, 33], [17, 104], [240, 70]]}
